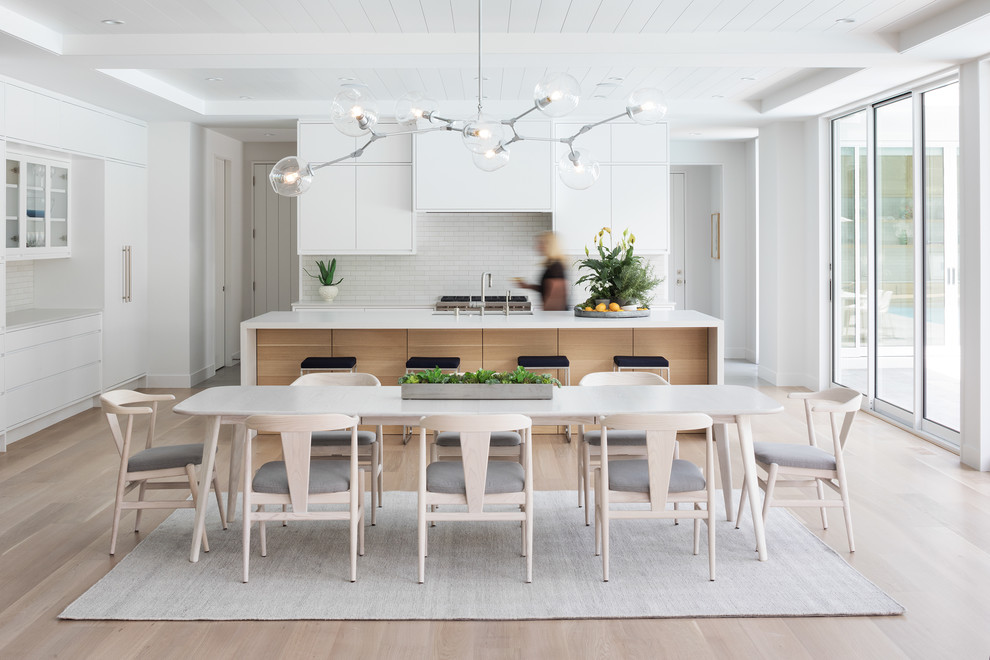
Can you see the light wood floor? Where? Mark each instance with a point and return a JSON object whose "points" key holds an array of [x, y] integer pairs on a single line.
{"points": [[922, 524]]}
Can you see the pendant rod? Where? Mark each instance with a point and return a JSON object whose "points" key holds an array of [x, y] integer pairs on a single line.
{"points": [[479, 57]]}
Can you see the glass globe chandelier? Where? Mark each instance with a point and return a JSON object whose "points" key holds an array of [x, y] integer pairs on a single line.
{"points": [[354, 111]]}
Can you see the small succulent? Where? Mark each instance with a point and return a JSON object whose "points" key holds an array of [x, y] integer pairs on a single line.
{"points": [[326, 273]]}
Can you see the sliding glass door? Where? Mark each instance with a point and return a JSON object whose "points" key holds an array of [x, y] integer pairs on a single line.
{"points": [[895, 321]]}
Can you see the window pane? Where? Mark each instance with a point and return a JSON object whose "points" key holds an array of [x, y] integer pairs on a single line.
{"points": [[942, 350], [895, 254]]}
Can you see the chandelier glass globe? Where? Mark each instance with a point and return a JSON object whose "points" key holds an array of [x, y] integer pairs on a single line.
{"points": [[578, 170], [482, 134], [557, 94], [354, 111], [413, 106], [291, 177], [491, 160], [646, 106]]}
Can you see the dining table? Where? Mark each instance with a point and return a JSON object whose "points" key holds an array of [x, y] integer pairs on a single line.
{"points": [[725, 404]]}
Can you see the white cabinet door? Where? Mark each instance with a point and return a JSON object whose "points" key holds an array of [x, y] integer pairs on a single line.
{"points": [[632, 143], [125, 322], [384, 209], [580, 214], [396, 149], [596, 141], [447, 179], [640, 201], [321, 141], [327, 212]]}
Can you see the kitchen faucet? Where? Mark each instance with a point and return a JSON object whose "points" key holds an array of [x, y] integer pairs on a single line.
{"points": [[481, 302]]}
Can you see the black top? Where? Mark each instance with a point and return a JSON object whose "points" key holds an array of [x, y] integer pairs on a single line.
{"points": [[554, 271]]}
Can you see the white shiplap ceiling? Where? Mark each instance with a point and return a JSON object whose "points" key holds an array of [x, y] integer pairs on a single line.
{"points": [[726, 65]]}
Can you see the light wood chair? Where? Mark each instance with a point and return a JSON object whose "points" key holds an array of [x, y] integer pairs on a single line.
{"points": [[144, 469], [627, 443], [371, 449], [298, 481], [809, 464], [475, 481], [658, 479]]}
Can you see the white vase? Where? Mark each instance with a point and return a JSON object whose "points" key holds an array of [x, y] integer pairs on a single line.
{"points": [[328, 293]]}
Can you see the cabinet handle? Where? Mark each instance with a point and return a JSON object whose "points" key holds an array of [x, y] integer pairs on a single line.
{"points": [[126, 279]]}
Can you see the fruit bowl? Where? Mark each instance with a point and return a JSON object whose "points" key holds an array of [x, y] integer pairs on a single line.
{"points": [[580, 312]]}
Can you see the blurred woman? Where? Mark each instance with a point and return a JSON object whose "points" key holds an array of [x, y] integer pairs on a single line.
{"points": [[553, 284]]}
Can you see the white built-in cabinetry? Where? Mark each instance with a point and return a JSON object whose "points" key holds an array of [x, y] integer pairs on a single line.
{"points": [[359, 206], [632, 191], [37, 213], [448, 180]]}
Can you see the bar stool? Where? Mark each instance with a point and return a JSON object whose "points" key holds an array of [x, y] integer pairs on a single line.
{"points": [[451, 364], [645, 362], [327, 364], [558, 362]]}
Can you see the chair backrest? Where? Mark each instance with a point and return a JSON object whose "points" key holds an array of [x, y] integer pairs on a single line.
{"points": [[623, 378], [661, 436], [296, 432], [118, 403], [337, 378], [475, 437], [835, 401]]}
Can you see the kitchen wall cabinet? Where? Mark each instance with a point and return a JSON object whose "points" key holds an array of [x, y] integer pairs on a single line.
{"points": [[360, 206], [632, 191], [37, 207], [447, 179]]}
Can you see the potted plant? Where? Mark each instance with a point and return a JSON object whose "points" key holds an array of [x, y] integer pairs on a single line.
{"points": [[328, 288], [480, 384], [617, 276]]}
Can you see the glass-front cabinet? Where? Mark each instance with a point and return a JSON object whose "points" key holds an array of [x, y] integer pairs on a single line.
{"points": [[37, 216]]}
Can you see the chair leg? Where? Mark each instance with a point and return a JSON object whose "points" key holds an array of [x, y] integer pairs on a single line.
{"points": [[355, 522], [381, 467], [710, 521], [580, 476], [422, 538], [216, 490], [361, 516], [137, 515], [262, 533], [246, 532], [768, 495], [742, 503], [847, 512], [375, 449], [605, 521], [697, 531], [194, 489], [821, 496], [587, 483], [529, 543]]}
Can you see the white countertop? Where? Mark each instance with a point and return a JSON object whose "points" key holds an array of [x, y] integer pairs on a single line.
{"points": [[26, 318], [399, 319]]}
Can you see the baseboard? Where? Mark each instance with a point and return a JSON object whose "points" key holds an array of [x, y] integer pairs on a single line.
{"points": [[202, 374], [41, 423], [782, 379], [735, 354], [135, 383], [750, 356], [169, 381]]}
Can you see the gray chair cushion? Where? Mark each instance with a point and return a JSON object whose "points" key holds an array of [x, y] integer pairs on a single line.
{"points": [[499, 439], [341, 438], [798, 456], [165, 457], [617, 438], [324, 477], [448, 477], [634, 476]]}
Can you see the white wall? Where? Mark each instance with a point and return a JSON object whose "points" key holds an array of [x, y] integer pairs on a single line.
{"points": [[700, 270], [738, 264]]}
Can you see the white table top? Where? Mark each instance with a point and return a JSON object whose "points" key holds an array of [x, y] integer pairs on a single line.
{"points": [[385, 319], [574, 402]]}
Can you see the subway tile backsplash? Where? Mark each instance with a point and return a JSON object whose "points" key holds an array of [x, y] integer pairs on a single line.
{"points": [[20, 285], [453, 250]]}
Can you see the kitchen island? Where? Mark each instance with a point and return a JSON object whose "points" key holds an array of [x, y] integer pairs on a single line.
{"points": [[273, 344]]}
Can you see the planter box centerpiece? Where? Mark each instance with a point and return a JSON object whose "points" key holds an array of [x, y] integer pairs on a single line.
{"points": [[480, 384]]}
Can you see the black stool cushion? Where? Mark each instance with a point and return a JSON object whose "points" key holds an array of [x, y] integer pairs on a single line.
{"points": [[431, 362], [328, 363], [544, 361], [641, 361]]}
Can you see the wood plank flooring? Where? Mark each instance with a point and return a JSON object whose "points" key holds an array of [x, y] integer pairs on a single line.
{"points": [[922, 524]]}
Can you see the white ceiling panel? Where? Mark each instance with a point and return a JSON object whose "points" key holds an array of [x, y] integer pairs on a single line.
{"points": [[552, 15], [410, 16], [353, 16], [438, 15], [666, 15], [522, 15]]}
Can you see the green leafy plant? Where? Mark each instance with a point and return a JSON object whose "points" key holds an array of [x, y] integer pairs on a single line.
{"points": [[521, 375], [327, 269], [616, 273]]}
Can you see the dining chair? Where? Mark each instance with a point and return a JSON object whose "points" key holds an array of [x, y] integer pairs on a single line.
{"points": [[475, 481], [371, 449], [628, 443], [297, 481], [657, 480], [810, 465], [146, 468]]}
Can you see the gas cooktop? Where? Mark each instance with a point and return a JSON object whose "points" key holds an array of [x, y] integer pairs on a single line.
{"points": [[492, 303]]}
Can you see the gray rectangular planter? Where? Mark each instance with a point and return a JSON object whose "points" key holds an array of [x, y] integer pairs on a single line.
{"points": [[476, 391]]}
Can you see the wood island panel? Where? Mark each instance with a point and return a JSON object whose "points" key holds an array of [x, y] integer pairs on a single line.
{"points": [[502, 348], [378, 352], [280, 352], [685, 348], [590, 350], [465, 344]]}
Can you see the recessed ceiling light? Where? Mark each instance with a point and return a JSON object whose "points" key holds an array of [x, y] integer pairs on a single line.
{"points": [[269, 135], [718, 96], [111, 21], [747, 78], [694, 133], [616, 78], [845, 20], [597, 96], [214, 79], [246, 98], [346, 79]]}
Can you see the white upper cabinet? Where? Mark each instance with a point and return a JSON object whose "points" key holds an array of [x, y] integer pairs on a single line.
{"points": [[448, 180], [37, 215], [641, 202], [595, 142], [632, 143], [580, 214], [358, 206]]}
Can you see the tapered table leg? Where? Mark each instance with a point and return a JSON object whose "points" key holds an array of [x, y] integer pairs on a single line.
{"points": [[749, 464], [724, 466], [236, 465], [205, 476]]}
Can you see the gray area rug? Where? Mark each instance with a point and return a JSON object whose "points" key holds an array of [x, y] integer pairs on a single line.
{"points": [[474, 571]]}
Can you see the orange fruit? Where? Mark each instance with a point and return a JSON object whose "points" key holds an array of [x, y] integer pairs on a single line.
{"points": [[614, 307], [600, 307], [588, 309]]}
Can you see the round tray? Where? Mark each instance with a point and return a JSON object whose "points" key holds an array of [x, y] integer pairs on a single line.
{"points": [[612, 315]]}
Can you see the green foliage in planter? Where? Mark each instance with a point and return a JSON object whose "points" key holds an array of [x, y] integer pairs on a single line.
{"points": [[617, 274], [520, 376], [325, 277]]}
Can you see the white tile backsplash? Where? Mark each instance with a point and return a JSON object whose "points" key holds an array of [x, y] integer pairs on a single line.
{"points": [[20, 285]]}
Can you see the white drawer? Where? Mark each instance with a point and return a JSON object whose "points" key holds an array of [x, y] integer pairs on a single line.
{"points": [[50, 359], [53, 393], [41, 334]]}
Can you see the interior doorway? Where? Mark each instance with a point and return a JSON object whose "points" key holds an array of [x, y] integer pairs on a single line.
{"points": [[695, 266], [222, 354], [276, 262]]}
